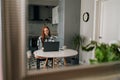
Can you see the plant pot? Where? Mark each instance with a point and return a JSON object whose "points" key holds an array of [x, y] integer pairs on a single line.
{"points": [[74, 61]]}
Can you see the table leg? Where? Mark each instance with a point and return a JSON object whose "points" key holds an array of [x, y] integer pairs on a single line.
{"points": [[45, 62], [53, 62], [65, 63]]}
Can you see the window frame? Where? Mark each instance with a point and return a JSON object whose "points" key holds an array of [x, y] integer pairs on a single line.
{"points": [[14, 48]]}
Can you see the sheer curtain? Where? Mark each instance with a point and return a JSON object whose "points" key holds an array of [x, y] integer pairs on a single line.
{"points": [[1, 68]]}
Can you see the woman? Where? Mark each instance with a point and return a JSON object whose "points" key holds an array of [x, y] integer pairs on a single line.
{"points": [[45, 34], [45, 37]]}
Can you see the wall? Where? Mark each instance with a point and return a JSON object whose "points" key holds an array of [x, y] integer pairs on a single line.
{"points": [[86, 28], [35, 28], [72, 21], [61, 11], [69, 21]]}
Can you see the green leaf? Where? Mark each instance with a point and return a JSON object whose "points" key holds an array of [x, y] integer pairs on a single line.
{"points": [[77, 41], [88, 48], [99, 55], [93, 61]]}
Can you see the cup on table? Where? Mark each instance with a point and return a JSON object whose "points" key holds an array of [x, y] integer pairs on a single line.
{"points": [[64, 47]]}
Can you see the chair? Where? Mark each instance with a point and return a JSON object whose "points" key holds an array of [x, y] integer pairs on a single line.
{"points": [[32, 43], [39, 59], [29, 55]]}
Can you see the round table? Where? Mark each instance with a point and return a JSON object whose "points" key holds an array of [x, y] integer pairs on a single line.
{"points": [[55, 54]]}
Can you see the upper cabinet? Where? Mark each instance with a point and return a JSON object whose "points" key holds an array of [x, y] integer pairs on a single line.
{"points": [[40, 13], [34, 12], [55, 15]]}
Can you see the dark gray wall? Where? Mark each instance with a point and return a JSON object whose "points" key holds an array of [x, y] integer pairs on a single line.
{"points": [[72, 20], [69, 21]]}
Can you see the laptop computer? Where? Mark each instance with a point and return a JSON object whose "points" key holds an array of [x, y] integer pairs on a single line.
{"points": [[51, 46]]}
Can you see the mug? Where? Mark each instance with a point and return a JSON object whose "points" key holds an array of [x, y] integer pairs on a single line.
{"points": [[64, 47]]}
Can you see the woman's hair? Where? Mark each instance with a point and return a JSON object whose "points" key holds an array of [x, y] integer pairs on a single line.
{"points": [[43, 34]]}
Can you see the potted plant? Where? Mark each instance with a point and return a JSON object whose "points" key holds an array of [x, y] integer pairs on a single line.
{"points": [[77, 41], [103, 52]]}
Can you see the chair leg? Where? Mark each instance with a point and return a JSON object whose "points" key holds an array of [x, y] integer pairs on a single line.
{"points": [[38, 63], [29, 65], [53, 63]]}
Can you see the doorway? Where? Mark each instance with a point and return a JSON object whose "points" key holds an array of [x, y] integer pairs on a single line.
{"points": [[107, 21]]}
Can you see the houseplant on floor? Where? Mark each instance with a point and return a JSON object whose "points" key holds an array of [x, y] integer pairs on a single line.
{"points": [[77, 41], [103, 52]]}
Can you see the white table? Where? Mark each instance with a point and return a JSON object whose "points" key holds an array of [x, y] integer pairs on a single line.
{"points": [[55, 54]]}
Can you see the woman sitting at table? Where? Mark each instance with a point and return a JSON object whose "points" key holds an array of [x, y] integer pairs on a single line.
{"points": [[45, 37]]}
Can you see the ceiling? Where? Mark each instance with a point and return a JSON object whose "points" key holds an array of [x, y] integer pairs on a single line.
{"points": [[44, 2]]}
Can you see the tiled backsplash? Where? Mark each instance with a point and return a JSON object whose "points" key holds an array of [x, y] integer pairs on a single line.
{"points": [[35, 28]]}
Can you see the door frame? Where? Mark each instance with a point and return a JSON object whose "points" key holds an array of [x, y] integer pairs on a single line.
{"points": [[98, 28]]}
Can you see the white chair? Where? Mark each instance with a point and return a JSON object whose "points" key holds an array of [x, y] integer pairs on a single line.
{"points": [[29, 55]]}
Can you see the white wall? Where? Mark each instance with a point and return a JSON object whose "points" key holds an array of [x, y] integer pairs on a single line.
{"points": [[111, 20], [86, 28]]}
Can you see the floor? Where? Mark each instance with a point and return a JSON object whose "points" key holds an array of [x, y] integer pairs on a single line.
{"points": [[32, 65]]}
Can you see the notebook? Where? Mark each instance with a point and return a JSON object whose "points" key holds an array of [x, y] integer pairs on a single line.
{"points": [[51, 46]]}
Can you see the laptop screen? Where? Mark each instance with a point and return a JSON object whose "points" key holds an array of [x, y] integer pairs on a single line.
{"points": [[51, 46]]}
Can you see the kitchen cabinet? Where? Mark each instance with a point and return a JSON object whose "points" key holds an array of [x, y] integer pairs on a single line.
{"points": [[55, 15], [40, 13], [34, 12]]}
